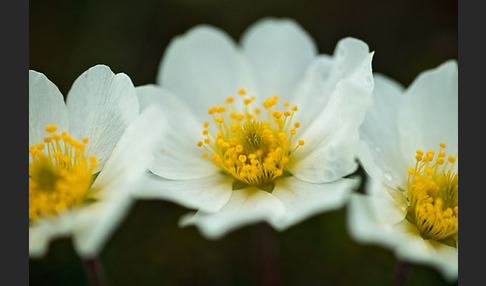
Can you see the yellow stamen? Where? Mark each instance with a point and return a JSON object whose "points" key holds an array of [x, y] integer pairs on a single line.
{"points": [[61, 177], [248, 147], [433, 196]]}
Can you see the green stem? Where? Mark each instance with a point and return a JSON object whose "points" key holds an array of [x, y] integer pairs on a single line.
{"points": [[94, 271], [267, 261], [402, 273]]}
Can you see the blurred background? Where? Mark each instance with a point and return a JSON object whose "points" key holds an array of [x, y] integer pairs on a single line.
{"points": [[68, 37]]}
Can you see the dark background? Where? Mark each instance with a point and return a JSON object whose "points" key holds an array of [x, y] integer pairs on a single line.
{"points": [[68, 37]]}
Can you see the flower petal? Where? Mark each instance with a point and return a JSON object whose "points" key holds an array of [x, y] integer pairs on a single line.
{"points": [[379, 219], [246, 206], [365, 225], [42, 231], [95, 223], [372, 216], [101, 105], [429, 113], [123, 170], [413, 248], [322, 76], [203, 67], [279, 50], [382, 158], [132, 155], [206, 194], [302, 200], [46, 107], [332, 137], [180, 158]]}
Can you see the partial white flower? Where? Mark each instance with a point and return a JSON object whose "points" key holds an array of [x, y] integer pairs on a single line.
{"points": [[409, 149], [276, 151], [84, 157]]}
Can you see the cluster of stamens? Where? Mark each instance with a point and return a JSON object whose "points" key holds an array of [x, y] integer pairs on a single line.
{"points": [[252, 147], [433, 195], [60, 174]]}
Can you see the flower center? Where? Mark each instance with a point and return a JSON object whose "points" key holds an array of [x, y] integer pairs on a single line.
{"points": [[60, 178], [433, 195], [251, 147]]}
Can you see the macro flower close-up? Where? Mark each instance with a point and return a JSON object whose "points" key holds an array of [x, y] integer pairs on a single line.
{"points": [[263, 130], [243, 143], [85, 155], [409, 149]]}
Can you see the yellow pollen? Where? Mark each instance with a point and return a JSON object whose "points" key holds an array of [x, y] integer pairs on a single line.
{"points": [[60, 174], [40, 146], [51, 128], [411, 171], [433, 196], [251, 146]]}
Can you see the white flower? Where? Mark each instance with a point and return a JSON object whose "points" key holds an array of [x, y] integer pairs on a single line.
{"points": [[84, 156], [245, 171], [412, 197]]}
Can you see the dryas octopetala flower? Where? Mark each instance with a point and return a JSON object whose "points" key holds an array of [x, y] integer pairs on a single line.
{"points": [[409, 149], [261, 131], [84, 156]]}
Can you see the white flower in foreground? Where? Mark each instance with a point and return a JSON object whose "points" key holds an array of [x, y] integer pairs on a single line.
{"points": [[85, 155], [409, 150], [246, 160]]}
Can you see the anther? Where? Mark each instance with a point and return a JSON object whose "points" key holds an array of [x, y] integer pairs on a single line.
{"points": [[51, 128], [40, 146]]}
